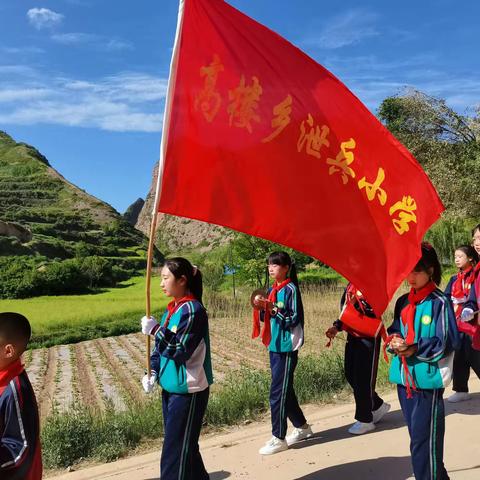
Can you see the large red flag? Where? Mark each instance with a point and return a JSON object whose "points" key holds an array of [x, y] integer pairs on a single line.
{"points": [[260, 138]]}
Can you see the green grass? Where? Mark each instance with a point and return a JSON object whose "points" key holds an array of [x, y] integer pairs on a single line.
{"points": [[68, 319], [81, 433]]}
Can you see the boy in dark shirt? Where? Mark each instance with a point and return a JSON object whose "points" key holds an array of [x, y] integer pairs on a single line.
{"points": [[20, 454]]}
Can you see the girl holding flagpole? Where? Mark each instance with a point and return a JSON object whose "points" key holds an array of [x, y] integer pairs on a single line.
{"points": [[458, 289], [422, 338], [282, 334], [362, 351], [181, 364]]}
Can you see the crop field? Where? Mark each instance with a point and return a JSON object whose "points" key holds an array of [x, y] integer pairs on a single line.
{"points": [[107, 371], [66, 319]]}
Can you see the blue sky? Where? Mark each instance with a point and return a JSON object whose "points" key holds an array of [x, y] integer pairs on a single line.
{"points": [[84, 80]]}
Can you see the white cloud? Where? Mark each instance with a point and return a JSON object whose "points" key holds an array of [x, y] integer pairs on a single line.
{"points": [[115, 44], [97, 41], [372, 80], [128, 101], [16, 70], [22, 50], [74, 38], [348, 28], [44, 18], [21, 94]]}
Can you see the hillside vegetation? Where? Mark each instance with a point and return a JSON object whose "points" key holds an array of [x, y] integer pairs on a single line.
{"points": [[54, 237]]}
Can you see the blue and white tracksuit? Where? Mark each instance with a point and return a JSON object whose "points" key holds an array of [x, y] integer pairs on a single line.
{"points": [[20, 452], [436, 337], [182, 361], [287, 338]]}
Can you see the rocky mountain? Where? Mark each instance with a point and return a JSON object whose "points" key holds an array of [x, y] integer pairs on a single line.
{"points": [[133, 211], [42, 213], [178, 234]]}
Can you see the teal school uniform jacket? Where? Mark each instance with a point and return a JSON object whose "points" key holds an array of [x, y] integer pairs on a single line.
{"points": [[436, 336], [287, 325], [181, 356]]}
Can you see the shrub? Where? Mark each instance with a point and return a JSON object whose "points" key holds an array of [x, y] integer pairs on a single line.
{"points": [[318, 377], [319, 276], [67, 437]]}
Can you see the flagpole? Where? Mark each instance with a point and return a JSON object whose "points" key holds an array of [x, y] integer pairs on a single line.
{"points": [[166, 125]]}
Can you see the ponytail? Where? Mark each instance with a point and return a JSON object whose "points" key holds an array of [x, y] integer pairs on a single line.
{"points": [[292, 274]]}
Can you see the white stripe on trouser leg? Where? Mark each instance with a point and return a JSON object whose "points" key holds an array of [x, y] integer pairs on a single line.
{"points": [[284, 394], [186, 438]]}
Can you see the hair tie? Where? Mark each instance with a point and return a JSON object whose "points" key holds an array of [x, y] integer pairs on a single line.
{"points": [[195, 269]]}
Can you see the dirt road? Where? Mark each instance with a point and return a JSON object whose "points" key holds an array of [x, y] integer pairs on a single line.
{"points": [[332, 454]]}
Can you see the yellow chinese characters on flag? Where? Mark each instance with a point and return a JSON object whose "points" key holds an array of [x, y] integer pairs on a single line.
{"points": [[264, 140]]}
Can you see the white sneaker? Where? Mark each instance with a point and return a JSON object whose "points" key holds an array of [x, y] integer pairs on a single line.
{"points": [[380, 412], [299, 434], [274, 445], [359, 428], [459, 397]]}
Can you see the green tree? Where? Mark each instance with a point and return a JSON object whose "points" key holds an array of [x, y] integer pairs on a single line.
{"points": [[250, 258], [83, 249], [446, 144], [212, 274], [95, 269]]}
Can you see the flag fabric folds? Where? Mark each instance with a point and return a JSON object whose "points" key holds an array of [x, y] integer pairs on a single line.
{"points": [[260, 138]]}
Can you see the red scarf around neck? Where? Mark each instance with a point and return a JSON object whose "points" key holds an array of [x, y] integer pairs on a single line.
{"points": [[408, 320], [462, 284], [408, 313], [266, 331], [460, 292], [9, 373], [476, 280], [173, 306], [476, 270]]}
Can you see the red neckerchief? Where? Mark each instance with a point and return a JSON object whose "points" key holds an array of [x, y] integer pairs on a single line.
{"points": [[9, 373], [461, 290], [462, 284], [407, 316], [173, 306], [266, 331], [476, 275], [476, 269], [408, 313]]}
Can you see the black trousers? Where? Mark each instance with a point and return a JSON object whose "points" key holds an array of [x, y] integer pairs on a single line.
{"points": [[361, 366], [464, 359], [283, 401], [182, 417]]}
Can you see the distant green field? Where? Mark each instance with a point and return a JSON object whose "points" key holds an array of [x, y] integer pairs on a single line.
{"points": [[68, 319]]}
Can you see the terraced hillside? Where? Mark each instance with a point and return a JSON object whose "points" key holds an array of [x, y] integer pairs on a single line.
{"points": [[63, 220]]}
